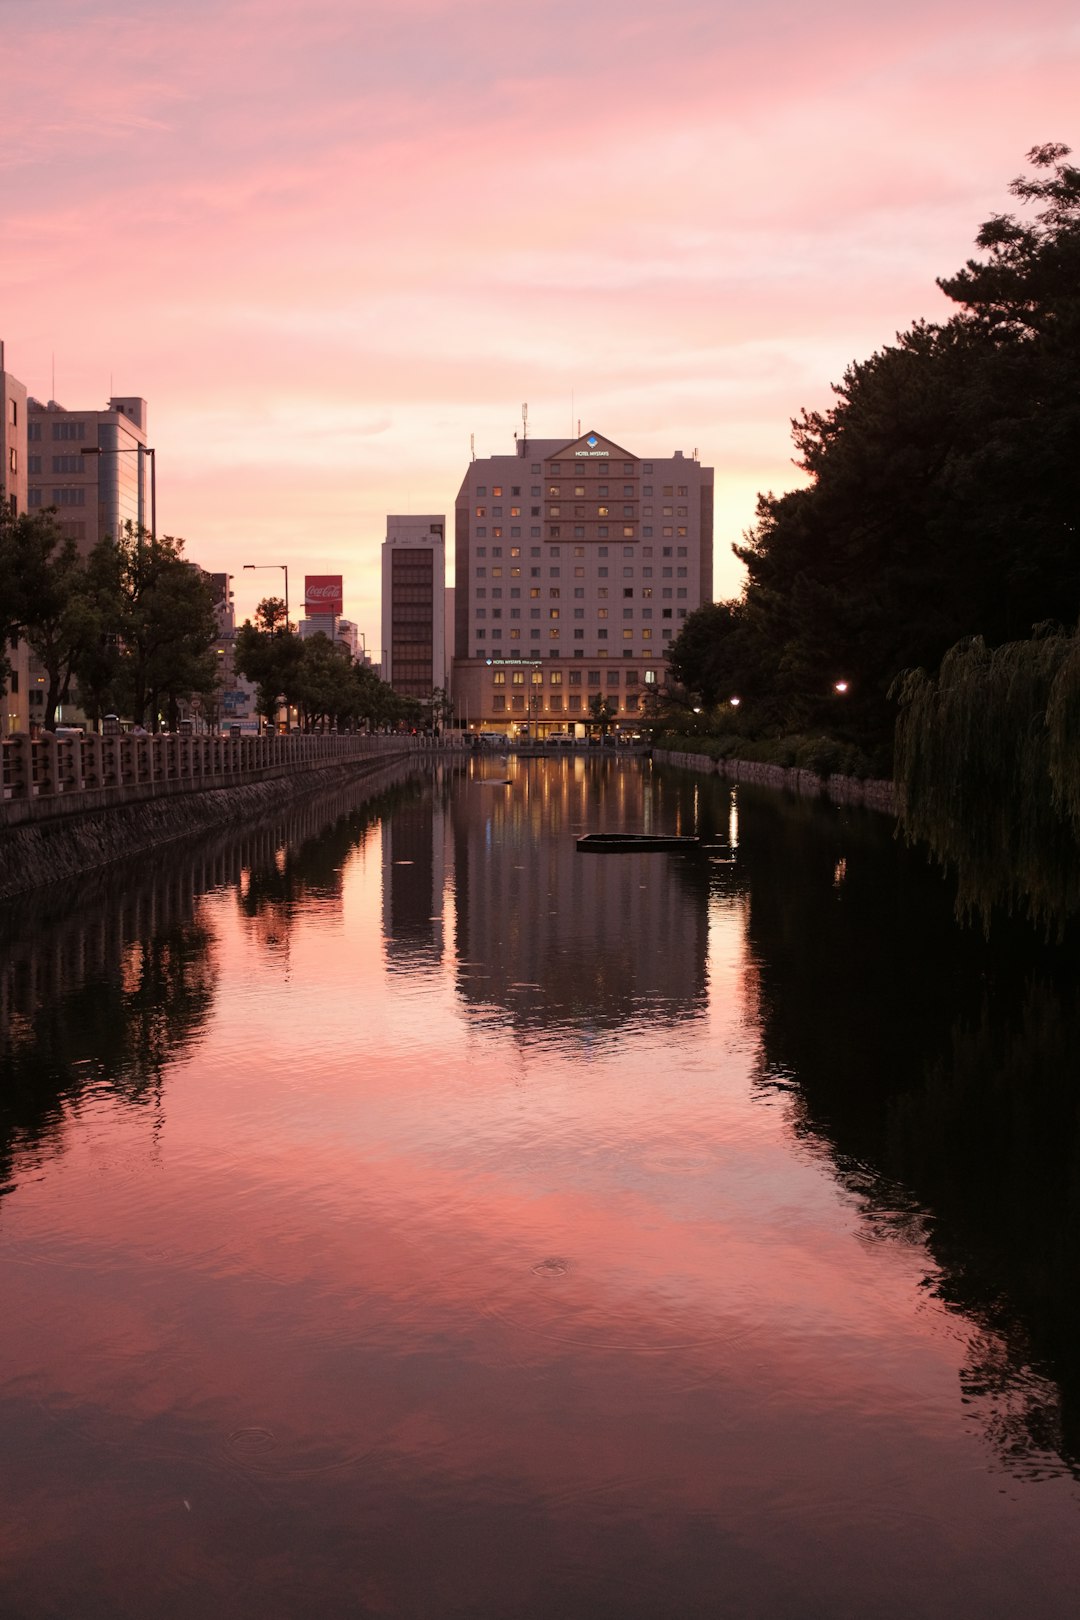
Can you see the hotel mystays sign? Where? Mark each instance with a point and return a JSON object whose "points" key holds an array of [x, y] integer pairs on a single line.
{"points": [[323, 593]]}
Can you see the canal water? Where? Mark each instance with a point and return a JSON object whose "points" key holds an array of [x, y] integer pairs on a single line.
{"points": [[403, 1214]]}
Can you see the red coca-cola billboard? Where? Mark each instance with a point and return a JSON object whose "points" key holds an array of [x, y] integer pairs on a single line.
{"points": [[322, 593]]}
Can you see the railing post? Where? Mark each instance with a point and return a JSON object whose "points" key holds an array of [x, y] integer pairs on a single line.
{"points": [[46, 765]]}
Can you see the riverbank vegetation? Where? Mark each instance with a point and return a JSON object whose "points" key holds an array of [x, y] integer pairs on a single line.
{"points": [[321, 680], [941, 505], [130, 626]]}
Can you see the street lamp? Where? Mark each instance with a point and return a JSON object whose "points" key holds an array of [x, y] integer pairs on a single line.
{"points": [[285, 567], [840, 687], [132, 450]]}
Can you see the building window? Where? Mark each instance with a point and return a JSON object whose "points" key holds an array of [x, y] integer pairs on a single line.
{"points": [[481, 511], [499, 701], [33, 432], [555, 702], [69, 430], [517, 703], [554, 532], [69, 497], [496, 490], [33, 463], [499, 677]]}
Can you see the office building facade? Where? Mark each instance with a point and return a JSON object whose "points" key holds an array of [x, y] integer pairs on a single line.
{"points": [[14, 703], [414, 604], [95, 494], [576, 564]]}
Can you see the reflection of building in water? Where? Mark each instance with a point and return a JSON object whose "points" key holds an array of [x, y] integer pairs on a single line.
{"points": [[575, 940], [415, 843]]}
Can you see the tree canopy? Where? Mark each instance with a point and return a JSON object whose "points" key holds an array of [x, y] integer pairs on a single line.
{"points": [[942, 497]]}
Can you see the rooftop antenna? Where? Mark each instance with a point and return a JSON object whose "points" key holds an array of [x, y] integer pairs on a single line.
{"points": [[53, 393], [472, 446], [524, 429]]}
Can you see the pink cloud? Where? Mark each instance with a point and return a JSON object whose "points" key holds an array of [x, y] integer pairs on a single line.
{"points": [[396, 222]]}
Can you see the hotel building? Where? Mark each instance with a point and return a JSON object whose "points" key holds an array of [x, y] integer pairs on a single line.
{"points": [[413, 604], [576, 564]]}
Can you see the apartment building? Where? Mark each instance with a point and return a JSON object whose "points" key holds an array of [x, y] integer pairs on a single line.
{"points": [[576, 564]]}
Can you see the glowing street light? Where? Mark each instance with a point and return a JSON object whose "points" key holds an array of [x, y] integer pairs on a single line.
{"points": [[735, 701], [840, 687]]}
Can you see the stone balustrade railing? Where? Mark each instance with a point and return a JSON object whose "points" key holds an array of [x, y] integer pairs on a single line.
{"points": [[51, 775]]}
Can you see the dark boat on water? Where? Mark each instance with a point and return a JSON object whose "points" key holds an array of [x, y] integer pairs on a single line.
{"points": [[620, 843]]}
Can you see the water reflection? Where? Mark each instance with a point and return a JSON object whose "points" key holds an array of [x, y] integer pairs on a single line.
{"points": [[103, 987], [535, 1233], [939, 1071], [563, 943]]}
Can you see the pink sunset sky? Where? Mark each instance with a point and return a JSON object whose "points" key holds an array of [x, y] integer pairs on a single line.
{"points": [[328, 242]]}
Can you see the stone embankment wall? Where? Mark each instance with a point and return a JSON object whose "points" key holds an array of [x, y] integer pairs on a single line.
{"points": [[840, 789], [73, 833]]}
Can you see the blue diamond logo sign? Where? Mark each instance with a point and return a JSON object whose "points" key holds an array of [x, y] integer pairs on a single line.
{"points": [[592, 441]]}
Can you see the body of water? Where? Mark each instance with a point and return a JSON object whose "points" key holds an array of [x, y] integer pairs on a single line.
{"points": [[402, 1214]]}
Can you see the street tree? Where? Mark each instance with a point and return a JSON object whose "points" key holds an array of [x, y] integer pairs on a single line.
{"points": [[43, 597], [603, 712], [270, 655], [165, 620]]}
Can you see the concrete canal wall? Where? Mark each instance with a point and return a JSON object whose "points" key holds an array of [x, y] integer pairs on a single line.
{"points": [[78, 806], [840, 789]]}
